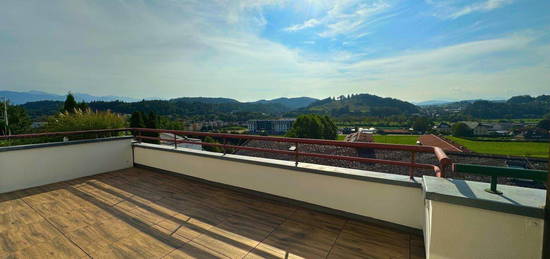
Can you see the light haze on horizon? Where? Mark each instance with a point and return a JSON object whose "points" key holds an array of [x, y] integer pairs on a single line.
{"points": [[264, 49]]}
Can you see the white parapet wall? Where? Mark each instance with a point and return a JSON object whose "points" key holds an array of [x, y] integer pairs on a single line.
{"points": [[33, 165], [465, 221], [386, 197]]}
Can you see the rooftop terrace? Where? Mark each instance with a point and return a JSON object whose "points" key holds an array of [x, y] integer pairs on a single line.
{"points": [[136, 213], [117, 197]]}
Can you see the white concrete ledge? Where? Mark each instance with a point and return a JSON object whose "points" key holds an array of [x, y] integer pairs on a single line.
{"points": [[514, 200], [34, 165], [465, 221], [395, 179], [385, 197]]}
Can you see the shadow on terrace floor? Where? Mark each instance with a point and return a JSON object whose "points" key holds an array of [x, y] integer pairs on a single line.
{"points": [[136, 213]]}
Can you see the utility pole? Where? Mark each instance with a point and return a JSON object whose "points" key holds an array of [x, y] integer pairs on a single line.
{"points": [[6, 124]]}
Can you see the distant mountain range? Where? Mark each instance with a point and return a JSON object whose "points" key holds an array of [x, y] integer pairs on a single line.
{"points": [[39, 104], [33, 96]]}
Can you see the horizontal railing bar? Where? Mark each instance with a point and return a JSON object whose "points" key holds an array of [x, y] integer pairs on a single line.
{"points": [[536, 175]]}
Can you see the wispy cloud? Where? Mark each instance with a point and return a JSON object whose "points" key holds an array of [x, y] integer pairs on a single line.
{"points": [[350, 16], [307, 24], [485, 6], [452, 10], [343, 17]]}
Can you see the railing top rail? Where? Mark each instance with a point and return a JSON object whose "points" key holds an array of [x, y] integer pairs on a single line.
{"points": [[536, 175]]}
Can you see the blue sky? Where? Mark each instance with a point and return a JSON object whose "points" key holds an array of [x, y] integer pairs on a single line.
{"points": [[262, 49]]}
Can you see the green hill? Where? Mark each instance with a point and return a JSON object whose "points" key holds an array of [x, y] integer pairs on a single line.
{"points": [[360, 105]]}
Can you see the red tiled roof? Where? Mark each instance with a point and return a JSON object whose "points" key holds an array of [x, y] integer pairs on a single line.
{"points": [[433, 140]]}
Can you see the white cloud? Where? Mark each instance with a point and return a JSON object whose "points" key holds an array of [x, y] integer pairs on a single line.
{"points": [[350, 16], [344, 17], [451, 10], [307, 24], [485, 6]]}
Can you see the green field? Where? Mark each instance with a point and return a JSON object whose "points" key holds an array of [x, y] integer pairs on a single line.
{"points": [[396, 139], [529, 149]]}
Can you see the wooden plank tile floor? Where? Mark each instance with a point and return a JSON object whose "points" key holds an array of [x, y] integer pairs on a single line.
{"points": [[136, 213]]}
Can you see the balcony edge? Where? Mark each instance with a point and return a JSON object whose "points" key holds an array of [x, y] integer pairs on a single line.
{"points": [[472, 194], [378, 177]]}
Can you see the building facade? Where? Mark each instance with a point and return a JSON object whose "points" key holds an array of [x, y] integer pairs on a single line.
{"points": [[280, 126]]}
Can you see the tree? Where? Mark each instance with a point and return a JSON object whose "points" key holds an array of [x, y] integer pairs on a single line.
{"points": [[70, 104], [19, 121], [136, 120], [461, 130], [421, 124], [544, 124], [85, 120], [313, 126], [82, 106], [209, 139], [330, 131], [152, 122], [167, 123]]}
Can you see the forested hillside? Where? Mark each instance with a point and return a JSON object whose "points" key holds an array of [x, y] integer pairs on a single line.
{"points": [[360, 105], [343, 108], [523, 106]]}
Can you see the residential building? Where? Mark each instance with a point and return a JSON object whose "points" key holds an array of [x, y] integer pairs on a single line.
{"points": [[443, 127], [478, 129], [279, 126]]}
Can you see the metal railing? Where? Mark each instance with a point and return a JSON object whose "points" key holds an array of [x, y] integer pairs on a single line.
{"points": [[440, 155], [495, 172], [439, 169]]}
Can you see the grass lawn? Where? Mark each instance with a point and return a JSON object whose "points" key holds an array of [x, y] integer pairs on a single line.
{"points": [[396, 139], [530, 149]]}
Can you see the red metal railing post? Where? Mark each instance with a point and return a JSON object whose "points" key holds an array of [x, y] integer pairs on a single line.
{"points": [[175, 142], [296, 155], [223, 147]]}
